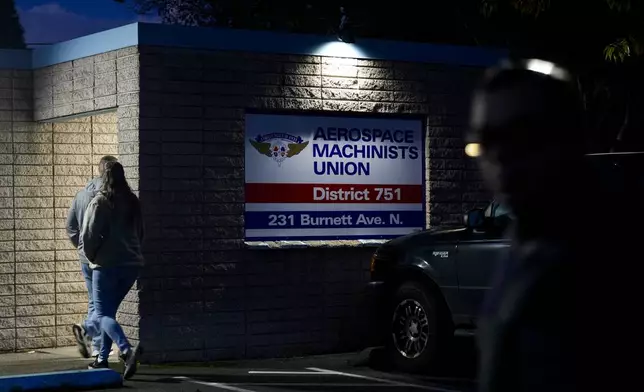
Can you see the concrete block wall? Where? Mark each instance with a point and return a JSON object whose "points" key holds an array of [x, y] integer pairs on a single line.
{"points": [[205, 295], [78, 144], [15, 111], [88, 84], [104, 82], [178, 130], [49, 163], [56, 123]]}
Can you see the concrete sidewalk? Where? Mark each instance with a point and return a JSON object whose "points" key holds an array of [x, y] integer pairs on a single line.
{"points": [[52, 369], [41, 361], [348, 371], [67, 358], [45, 360], [62, 369]]}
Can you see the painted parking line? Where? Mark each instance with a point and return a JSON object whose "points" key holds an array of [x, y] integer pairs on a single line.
{"points": [[383, 380], [287, 372], [291, 385], [327, 372], [371, 382], [226, 387]]}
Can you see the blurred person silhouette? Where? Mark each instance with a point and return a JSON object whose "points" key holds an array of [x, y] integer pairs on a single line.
{"points": [[86, 346], [111, 238], [526, 122]]}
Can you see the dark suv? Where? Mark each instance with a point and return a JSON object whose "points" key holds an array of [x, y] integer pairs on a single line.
{"points": [[429, 285]]}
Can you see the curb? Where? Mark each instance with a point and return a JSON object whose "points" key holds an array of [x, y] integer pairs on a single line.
{"points": [[68, 380]]}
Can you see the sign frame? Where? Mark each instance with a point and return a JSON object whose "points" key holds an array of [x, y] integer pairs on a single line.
{"points": [[422, 118]]}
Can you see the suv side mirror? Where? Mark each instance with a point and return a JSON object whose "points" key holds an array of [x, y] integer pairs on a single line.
{"points": [[474, 218]]}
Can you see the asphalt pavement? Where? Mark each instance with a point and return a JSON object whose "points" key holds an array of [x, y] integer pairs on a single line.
{"points": [[291, 379], [343, 372]]}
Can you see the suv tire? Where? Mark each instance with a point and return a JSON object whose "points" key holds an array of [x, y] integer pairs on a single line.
{"points": [[417, 331]]}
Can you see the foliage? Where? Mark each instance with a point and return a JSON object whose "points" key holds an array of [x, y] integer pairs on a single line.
{"points": [[11, 32], [619, 5], [602, 41], [618, 50], [293, 16], [619, 16], [436, 21], [525, 7]]}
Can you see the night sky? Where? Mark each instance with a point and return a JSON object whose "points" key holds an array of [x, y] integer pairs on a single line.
{"points": [[47, 21]]}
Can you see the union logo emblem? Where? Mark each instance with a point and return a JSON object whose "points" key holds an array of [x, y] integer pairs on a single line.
{"points": [[278, 146]]}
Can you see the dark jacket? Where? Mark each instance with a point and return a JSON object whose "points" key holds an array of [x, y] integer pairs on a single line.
{"points": [[527, 332], [77, 212], [584, 258], [112, 232]]}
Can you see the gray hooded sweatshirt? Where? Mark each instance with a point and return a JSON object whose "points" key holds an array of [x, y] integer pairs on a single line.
{"points": [[77, 213], [112, 233]]}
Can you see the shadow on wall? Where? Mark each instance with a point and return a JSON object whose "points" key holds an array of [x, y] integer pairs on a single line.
{"points": [[252, 303]]}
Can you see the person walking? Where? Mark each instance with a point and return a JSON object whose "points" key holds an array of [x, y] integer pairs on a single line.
{"points": [[86, 347], [527, 122], [111, 238]]}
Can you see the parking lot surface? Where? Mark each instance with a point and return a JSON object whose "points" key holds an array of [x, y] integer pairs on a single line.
{"points": [[346, 372], [291, 379], [354, 372]]}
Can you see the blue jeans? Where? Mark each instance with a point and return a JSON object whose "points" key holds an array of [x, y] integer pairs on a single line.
{"points": [[111, 285], [96, 336]]}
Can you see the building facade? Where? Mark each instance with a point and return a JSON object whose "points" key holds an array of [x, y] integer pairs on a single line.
{"points": [[170, 103]]}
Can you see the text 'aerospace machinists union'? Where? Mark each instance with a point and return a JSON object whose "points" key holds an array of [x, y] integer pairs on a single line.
{"points": [[339, 151]]}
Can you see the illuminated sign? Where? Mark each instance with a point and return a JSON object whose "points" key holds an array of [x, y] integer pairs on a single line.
{"points": [[332, 177]]}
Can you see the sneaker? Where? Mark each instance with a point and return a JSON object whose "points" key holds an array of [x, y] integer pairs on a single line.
{"points": [[130, 358], [82, 340], [98, 364], [96, 352]]}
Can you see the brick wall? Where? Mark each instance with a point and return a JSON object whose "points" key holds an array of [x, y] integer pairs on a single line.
{"points": [[204, 294]]}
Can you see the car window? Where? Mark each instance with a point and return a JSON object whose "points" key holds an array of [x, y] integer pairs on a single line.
{"points": [[488, 210], [500, 210], [495, 210]]}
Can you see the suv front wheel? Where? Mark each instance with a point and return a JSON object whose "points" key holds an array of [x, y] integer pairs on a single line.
{"points": [[415, 330]]}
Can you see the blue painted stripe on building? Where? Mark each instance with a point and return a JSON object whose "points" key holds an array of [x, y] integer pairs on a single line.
{"points": [[305, 44], [89, 45], [15, 59], [432, 53], [254, 41], [100, 378]]}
